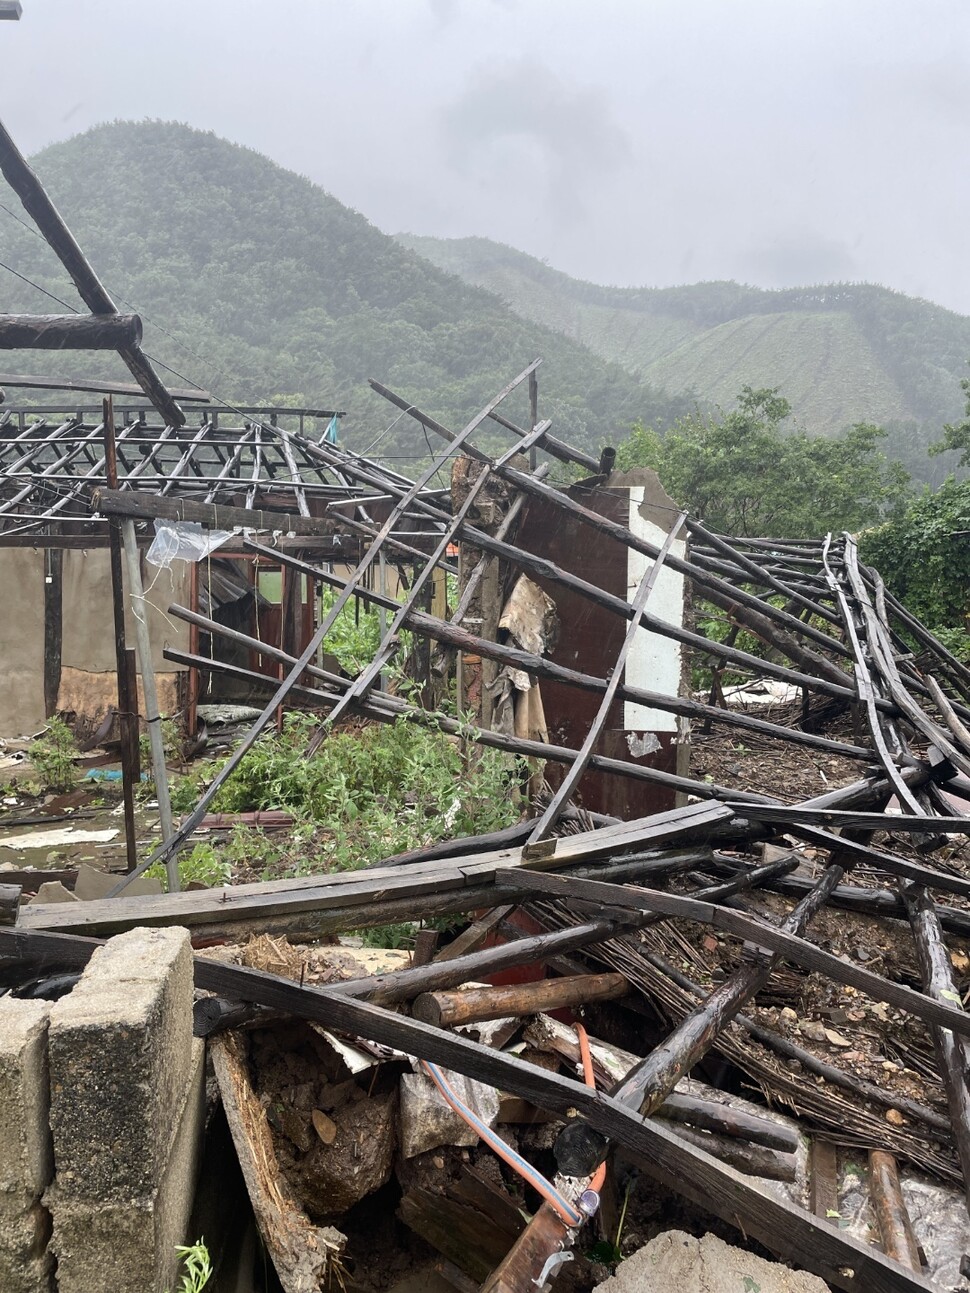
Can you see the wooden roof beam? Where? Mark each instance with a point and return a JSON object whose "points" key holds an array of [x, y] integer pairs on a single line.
{"points": [[21, 178]]}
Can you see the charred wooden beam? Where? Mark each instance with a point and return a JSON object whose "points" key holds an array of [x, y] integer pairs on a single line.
{"points": [[951, 1048], [755, 933], [386, 708], [870, 902], [29, 189], [451, 634], [811, 1063], [892, 823], [94, 387], [752, 1160], [136, 505], [69, 331], [579, 1147], [758, 616]]}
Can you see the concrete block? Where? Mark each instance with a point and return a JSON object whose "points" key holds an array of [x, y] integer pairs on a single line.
{"points": [[120, 1047], [128, 1245], [52, 891], [26, 1158], [25, 1264], [675, 1262], [92, 884]]}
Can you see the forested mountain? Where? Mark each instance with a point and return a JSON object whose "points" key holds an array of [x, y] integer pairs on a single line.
{"points": [[841, 353], [256, 284]]}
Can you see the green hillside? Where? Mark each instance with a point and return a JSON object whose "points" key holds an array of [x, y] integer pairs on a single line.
{"points": [[841, 353], [256, 283]]}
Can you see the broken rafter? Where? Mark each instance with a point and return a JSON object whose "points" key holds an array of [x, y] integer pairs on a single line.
{"points": [[69, 331], [29, 189], [787, 1230], [451, 634]]}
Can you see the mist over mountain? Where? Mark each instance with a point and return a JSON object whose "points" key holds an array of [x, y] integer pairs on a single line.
{"points": [[256, 284], [259, 285], [840, 352]]}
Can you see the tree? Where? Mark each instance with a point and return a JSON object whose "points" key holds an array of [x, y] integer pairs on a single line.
{"points": [[744, 473], [924, 557], [956, 435]]}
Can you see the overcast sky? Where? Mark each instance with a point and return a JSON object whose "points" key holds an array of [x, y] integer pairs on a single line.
{"points": [[637, 142]]}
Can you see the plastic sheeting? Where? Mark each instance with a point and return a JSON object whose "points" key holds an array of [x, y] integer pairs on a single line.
{"points": [[183, 541]]}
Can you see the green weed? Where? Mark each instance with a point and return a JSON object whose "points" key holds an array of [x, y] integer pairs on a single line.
{"points": [[198, 1267], [363, 796], [52, 755], [203, 865]]}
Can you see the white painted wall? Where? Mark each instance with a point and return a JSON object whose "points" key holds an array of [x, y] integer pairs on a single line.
{"points": [[654, 662]]}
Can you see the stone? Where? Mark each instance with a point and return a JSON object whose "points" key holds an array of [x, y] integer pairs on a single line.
{"points": [[92, 884], [427, 1121], [120, 1047], [332, 1178], [26, 1155], [675, 1262]]}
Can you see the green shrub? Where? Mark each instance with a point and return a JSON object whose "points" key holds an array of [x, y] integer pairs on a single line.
{"points": [[52, 754], [365, 794]]}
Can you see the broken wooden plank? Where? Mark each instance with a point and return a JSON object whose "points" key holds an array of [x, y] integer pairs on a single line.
{"points": [[138, 505], [304, 1256]]}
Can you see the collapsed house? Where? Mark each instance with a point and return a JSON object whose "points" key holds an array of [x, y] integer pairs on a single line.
{"points": [[54, 553], [620, 896], [681, 908]]}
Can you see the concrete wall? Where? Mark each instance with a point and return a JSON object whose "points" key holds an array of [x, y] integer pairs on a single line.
{"points": [[101, 1101], [21, 641]]}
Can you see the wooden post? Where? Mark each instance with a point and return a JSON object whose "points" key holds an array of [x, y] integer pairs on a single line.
{"points": [[895, 1225], [824, 1182], [445, 1009], [127, 687], [53, 623], [134, 728], [152, 716]]}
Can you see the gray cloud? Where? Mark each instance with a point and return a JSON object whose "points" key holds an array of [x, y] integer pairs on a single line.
{"points": [[632, 143], [522, 114], [796, 258]]}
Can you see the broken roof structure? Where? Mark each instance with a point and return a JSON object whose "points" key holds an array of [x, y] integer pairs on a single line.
{"points": [[832, 633], [668, 854]]}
